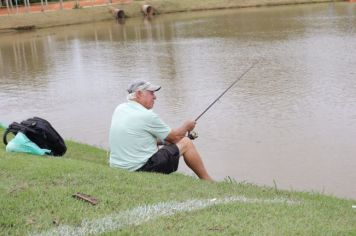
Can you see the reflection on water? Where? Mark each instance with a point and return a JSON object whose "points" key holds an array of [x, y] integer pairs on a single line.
{"points": [[290, 120]]}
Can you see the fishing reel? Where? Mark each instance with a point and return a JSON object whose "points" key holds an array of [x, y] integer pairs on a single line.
{"points": [[192, 135]]}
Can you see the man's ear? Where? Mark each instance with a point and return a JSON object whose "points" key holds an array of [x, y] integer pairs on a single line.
{"points": [[138, 93]]}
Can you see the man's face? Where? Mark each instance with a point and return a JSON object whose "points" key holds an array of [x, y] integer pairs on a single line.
{"points": [[146, 98]]}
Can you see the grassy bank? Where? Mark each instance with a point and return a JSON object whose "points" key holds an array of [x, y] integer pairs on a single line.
{"points": [[35, 197], [100, 13]]}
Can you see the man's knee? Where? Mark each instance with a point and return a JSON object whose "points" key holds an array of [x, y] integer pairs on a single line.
{"points": [[184, 144], [186, 141]]}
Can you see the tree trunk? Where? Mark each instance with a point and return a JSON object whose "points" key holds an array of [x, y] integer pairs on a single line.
{"points": [[7, 6], [11, 5], [28, 5], [17, 6]]}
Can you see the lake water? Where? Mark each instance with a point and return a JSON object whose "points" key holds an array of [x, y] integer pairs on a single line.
{"points": [[290, 121]]}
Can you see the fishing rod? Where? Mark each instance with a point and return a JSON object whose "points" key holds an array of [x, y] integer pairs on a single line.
{"points": [[193, 135]]}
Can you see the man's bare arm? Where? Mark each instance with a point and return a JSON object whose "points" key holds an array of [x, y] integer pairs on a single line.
{"points": [[177, 134]]}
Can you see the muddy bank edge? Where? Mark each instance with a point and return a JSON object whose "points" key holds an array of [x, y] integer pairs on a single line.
{"points": [[46, 19]]}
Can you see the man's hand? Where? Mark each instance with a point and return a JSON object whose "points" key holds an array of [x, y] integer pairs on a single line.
{"points": [[189, 125], [177, 134]]}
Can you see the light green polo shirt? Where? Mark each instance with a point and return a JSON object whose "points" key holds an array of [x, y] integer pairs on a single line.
{"points": [[133, 135]]}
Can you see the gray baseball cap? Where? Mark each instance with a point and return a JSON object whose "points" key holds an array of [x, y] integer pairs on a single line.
{"points": [[142, 85]]}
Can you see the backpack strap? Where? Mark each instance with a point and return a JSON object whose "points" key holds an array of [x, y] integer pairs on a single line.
{"points": [[14, 128], [7, 131]]}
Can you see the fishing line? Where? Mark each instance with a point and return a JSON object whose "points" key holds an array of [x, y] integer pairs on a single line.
{"points": [[193, 135]]}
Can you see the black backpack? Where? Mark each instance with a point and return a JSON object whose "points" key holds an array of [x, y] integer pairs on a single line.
{"points": [[40, 132]]}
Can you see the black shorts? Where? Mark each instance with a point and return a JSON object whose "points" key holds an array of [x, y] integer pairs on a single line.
{"points": [[165, 160]]}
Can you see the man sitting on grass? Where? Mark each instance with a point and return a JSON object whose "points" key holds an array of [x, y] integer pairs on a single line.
{"points": [[136, 131]]}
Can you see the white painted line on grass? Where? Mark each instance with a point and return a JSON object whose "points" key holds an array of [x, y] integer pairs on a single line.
{"points": [[145, 213]]}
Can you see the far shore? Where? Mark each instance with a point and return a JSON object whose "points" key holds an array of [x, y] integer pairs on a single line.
{"points": [[86, 14]]}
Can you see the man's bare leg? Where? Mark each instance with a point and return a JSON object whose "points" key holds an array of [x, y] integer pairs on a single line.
{"points": [[192, 158]]}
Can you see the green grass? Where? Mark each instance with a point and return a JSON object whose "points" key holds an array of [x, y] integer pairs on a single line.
{"points": [[35, 196]]}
